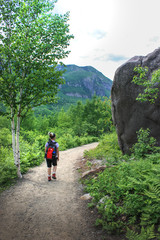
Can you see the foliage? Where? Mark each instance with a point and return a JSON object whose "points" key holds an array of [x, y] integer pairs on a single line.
{"points": [[146, 234], [92, 118], [32, 149], [145, 144], [6, 138], [68, 141], [4, 122], [7, 167], [32, 154], [150, 86], [29, 51], [32, 42], [108, 150], [71, 129], [127, 192]]}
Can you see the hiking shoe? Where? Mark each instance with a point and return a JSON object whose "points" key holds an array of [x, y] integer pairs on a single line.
{"points": [[54, 176], [49, 178]]}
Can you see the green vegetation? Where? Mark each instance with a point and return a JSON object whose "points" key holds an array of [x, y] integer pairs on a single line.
{"points": [[79, 125], [32, 42], [127, 192], [150, 86]]}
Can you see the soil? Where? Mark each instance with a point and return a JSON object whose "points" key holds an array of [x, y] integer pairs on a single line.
{"points": [[40, 210]]}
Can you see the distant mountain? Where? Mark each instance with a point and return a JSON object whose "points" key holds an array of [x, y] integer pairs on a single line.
{"points": [[81, 83], [84, 82]]}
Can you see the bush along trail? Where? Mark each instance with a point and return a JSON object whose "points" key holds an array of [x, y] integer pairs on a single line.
{"points": [[127, 192], [37, 209]]}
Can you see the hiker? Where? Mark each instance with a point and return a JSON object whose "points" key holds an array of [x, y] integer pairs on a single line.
{"points": [[52, 155]]}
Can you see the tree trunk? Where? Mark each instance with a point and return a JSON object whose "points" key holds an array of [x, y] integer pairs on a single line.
{"points": [[17, 146], [17, 136], [13, 137], [15, 142]]}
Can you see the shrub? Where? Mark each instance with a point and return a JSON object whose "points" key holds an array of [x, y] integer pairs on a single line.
{"points": [[145, 144], [7, 167], [131, 191], [127, 194], [108, 149], [31, 155], [5, 138]]}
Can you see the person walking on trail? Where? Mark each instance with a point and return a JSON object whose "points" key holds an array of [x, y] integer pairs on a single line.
{"points": [[52, 155]]}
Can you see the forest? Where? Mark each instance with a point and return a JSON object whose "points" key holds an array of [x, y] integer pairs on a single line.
{"points": [[80, 124]]}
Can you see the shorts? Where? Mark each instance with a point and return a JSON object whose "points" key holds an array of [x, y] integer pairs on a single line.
{"points": [[51, 162]]}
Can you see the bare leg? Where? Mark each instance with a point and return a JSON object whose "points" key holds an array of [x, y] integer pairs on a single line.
{"points": [[54, 172], [49, 171], [49, 174], [54, 169]]}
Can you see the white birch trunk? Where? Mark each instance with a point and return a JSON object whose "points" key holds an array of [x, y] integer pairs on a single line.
{"points": [[17, 147], [17, 138], [13, 137]]}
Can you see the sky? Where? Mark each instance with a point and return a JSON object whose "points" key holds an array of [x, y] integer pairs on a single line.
{"points": [[107, 33]]}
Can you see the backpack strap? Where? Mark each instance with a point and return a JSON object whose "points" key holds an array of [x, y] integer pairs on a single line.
{"points": [[51, 144]]}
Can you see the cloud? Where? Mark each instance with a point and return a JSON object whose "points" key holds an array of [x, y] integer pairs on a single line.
{"points": [[116, 58], [109, 33], [111, 57], [98, 34]]}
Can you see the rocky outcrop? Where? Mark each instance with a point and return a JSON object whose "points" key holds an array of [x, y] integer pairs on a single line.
{"points": [[129, 115], [76, 95]]}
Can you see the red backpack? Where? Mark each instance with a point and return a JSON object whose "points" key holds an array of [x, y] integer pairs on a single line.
{"points": [[51, 150]]}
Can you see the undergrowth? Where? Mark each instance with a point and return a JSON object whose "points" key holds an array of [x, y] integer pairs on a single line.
{"points": [[32, 145], [108, 150], [32, 154], [127, 192]]}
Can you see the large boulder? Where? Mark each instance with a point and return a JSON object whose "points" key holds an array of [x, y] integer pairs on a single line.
{"points": [[129, 115]]}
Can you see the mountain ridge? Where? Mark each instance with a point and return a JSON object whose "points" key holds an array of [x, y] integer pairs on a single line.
{"points": [[84, 82], [81, 83]]}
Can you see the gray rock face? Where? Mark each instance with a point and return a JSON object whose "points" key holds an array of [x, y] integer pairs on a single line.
{"points": [[129, 115]]}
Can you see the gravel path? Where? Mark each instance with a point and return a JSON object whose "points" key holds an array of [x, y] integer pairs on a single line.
{"points": [[40, 210]]}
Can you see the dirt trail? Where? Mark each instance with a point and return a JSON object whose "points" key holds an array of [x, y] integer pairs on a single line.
{"points": [[40, 210]]}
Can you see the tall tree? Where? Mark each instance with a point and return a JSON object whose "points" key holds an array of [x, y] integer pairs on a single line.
{"points": [[32, 42]]}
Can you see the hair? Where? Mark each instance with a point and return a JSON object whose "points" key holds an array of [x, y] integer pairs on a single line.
{"points": [[51, 135]]}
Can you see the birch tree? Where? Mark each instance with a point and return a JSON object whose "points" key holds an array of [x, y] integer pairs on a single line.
{"points": [[33, 40]]}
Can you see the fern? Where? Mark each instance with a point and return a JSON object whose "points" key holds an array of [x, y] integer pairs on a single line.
{"points": [[132, 188], [146, 234], [153, 192]]}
